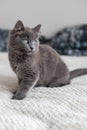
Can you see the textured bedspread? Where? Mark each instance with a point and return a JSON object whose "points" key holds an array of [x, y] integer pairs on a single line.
{"points": [[63, 108]]}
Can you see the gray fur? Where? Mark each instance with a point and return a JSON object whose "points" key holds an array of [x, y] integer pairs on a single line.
{"points": [[77, 72], [34, 64]]}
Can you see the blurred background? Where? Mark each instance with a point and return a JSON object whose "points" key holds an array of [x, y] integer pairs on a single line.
{"points": [[54, 15]]}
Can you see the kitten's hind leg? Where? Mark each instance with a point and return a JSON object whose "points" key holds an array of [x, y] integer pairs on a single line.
{"points": [[60, 82], [57, 84], [64, 80]]}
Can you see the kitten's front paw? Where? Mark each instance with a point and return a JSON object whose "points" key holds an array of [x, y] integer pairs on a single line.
{"points": [[18, 97]]}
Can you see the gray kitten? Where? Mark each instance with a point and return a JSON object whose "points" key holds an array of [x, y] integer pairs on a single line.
{"points": [[35, 64]]}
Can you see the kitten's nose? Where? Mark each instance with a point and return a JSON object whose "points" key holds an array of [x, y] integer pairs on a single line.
{"points": [[31, 47]]}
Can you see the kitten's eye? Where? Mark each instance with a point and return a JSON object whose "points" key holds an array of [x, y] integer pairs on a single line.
{"points": [[25, 41]]}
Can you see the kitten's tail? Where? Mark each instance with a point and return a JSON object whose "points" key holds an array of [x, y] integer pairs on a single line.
{"points": [[77, 72]]}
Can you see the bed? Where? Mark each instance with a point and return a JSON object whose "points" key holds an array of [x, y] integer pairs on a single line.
{"points": [[62, 108]]}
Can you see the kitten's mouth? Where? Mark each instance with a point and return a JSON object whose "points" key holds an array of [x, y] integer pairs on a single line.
{"points": [[30, 50]]}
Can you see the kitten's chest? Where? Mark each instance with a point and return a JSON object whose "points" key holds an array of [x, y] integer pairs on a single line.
{"points": [[15, 62]]}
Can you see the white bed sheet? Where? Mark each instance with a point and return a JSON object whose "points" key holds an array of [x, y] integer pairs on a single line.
{"points": [[63, 108]]}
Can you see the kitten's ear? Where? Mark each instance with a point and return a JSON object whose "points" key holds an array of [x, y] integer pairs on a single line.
{"points": [[37, 28], [19, 25]]}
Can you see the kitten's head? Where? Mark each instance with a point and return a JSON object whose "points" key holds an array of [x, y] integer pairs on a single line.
{"points": [[23, 39]]}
